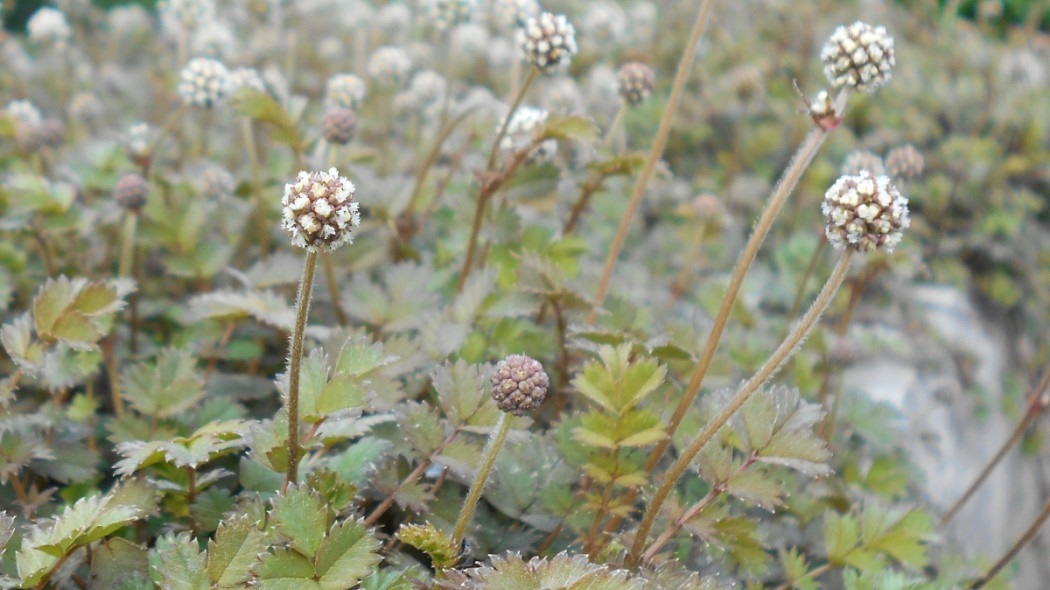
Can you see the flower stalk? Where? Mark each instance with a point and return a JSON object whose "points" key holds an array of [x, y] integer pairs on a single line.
{"points": [[492, 449], [295, 359]]}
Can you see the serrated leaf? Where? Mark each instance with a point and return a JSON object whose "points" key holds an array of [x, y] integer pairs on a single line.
{"points": [[561, 571], [757, 487], [265, 307], [460, 390], [165, 387], [427, 538], [117, 562], [618, 384], [777, 425], [347, 555], [53, 298], [175, 563], [301, 517], [234, 551], [17, 338], [359, 358], [841, 535], [421, 426], [284, 569], [7, 529]]}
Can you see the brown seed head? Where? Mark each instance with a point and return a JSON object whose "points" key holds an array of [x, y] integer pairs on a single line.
{"points": [[519, 384]]}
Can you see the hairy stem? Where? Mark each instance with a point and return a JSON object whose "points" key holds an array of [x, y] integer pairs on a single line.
{"points": [[127, 250], [1037, 402], [781, 354], [490, 163], [492, 449], [295, 359], [659, 142], [1025, 539]]}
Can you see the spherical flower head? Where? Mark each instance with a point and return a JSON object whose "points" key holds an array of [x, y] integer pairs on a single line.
{"points": [[635, 82], [445, 14], [858, 56], [519, 384], [48, 26], [217, 183], [427, 89], [244, 78], [605, 23], [344, 90], [130, 191], [905, 162], [203, 82], [389, 66], [519, 135], [858, 160], [512, 14], [320, 210], [52, 132], [338, 125], [23, 111], [547, 41], [865, 212]]}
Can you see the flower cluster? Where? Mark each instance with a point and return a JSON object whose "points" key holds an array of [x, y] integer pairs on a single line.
{"points": [[344, 90], [905, 162], [338, 125], [635, 82], [389, 66], [865, 212], [519, 384], [858, 56], [858, 160], [445, 14], [518, 135], [203, 82], [547, 41], [48, 26], [320, 210], [514, 13]]}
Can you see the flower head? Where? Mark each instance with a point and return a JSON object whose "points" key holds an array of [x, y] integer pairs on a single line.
{"points": [[519, 384], [858, 56], [320, 210], [338, 125], [635, 82], [865, 212], [130, 191], [547, 40], [48, 26], [905, 162], [514, 13], [389, 66], [445, 14], [344, 90], [858, 160], [518, 135], [203, 82]]}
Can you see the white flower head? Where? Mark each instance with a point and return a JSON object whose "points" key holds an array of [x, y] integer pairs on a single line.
{"points": [[858, 56], [320, 211], [865, 212], [203, 82], [547, 41]]}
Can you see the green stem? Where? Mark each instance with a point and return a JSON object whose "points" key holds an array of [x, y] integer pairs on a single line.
{"points": [[657, 150], [295, 359], [490, 163], [333, 289], [127, 250], [610, 133], [492, 449], [432, 156], [781, 354]]}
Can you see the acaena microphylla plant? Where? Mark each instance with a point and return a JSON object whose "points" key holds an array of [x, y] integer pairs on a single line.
{"points": [[319, 212], [864, 214]]}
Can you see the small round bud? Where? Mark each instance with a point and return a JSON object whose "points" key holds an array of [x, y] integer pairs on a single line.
{"points": [[858, 160], [320, 210], [28, 137], [635, 82], [519, 135], [52, 132], [338, 125], [519, 384], [858, 56], [344, 90], [445, 14], [905, 162], [389, 66], [217, 183], [823, 112], [547, 41], [203, 82], [130, 191], [865, 212]]}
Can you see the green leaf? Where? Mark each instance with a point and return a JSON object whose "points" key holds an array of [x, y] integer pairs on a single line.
{"points": [[116, 562], [301, 517], [569, 127], [756, 486], [460, 390], [347, 555], [259, 105], [234, 551], [17, 339], [176, 563], [427, 538], [625, 164], [7, 529], [841, 535], [165, 387], [778, 426], [618, 384], [285, 569], [265, 307]]}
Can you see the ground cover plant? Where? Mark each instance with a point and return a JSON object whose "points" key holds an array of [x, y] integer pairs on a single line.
{"points": [[502, 295]]}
